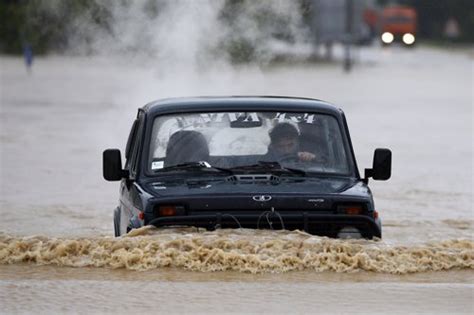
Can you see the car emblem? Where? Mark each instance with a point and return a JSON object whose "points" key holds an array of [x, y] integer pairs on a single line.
{"points": [[262, 198]]}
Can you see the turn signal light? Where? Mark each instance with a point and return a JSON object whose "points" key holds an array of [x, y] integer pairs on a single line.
{"points": [[169, 210], [354, 210], [350, 209]]}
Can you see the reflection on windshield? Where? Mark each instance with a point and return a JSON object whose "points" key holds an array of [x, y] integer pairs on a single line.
{"points": [[307, 141]]}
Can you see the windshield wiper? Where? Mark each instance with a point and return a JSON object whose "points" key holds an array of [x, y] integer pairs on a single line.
{"points": [[194, 166], [272, 167]]}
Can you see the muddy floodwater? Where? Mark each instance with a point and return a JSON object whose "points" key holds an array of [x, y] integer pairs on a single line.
{"points": [[58, 253]]}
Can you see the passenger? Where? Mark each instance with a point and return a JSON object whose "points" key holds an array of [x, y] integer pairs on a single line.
{"points": [[186, 146], [312, 140], [284, 145]]}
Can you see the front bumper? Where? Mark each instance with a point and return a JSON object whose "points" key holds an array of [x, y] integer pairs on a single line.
{"points": [[318, 224]]}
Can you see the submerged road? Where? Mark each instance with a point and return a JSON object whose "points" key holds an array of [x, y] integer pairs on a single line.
{"points": [[55, 123]]}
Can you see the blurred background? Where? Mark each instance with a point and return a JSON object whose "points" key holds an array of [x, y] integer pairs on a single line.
{"points": [[73, 74], [248, 31]]}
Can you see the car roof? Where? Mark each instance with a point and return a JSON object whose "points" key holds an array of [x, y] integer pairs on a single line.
{"points": [[229, 103]]}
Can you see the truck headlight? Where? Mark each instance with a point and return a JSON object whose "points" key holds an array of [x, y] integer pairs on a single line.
{"points": [[408, 38], [387, 37]]}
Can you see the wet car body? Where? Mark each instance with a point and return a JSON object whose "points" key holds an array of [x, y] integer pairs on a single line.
{"points": [[252, 195]]}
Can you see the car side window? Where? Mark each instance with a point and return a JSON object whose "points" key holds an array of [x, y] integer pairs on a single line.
{"points": [[136, 144], [130, 143]]}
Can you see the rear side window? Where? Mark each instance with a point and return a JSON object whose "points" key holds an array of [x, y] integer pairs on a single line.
{"points": [[130, 142], [134, 144]]}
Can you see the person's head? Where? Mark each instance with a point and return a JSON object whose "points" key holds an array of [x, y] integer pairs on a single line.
{"points": [[284, 139], [186, 146]]}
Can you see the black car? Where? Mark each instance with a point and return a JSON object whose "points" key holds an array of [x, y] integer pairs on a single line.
{"points": [[244, 162]]}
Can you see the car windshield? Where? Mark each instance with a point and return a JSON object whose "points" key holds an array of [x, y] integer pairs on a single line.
{"points": [[232, 140]]}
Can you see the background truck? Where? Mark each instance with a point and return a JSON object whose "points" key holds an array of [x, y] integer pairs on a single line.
{"points": [[398, 24]]}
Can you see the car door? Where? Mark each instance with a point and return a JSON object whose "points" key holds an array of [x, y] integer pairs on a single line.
{"points": [[129, 201]]}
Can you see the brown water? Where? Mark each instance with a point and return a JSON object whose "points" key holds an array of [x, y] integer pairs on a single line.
{"points": [[237, 250], [99, 290], [57, 253]]}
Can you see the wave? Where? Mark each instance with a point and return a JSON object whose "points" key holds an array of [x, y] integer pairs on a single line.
{"points": [[253, 251]]}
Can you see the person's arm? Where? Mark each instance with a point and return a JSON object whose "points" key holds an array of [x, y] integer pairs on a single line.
{"points": [[306, 156]]}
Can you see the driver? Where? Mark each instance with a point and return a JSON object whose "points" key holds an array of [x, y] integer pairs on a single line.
{"points": [[284, 144]]}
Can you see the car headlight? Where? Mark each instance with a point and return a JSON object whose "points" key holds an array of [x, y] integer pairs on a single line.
{"points": [[408, 38], [387, 37]]}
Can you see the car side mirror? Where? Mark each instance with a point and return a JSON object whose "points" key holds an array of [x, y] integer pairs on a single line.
{"points": [[381, 166], [112, 165]]}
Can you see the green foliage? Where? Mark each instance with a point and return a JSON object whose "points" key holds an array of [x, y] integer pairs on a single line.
{"points": [[240, 50], [12, 19], [47, 25]]}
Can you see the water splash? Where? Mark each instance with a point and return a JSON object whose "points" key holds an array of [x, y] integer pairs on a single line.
{"points": [[253, 251]]}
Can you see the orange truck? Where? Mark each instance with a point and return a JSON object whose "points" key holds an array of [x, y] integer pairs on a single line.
{"points": [[398, 24]]}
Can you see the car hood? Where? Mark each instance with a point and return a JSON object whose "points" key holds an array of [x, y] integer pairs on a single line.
{"points": [[287, 193], [165, 187]]}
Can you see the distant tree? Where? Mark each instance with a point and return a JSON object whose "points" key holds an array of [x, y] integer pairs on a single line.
{"points": [[45, 24], [12, 17]]}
